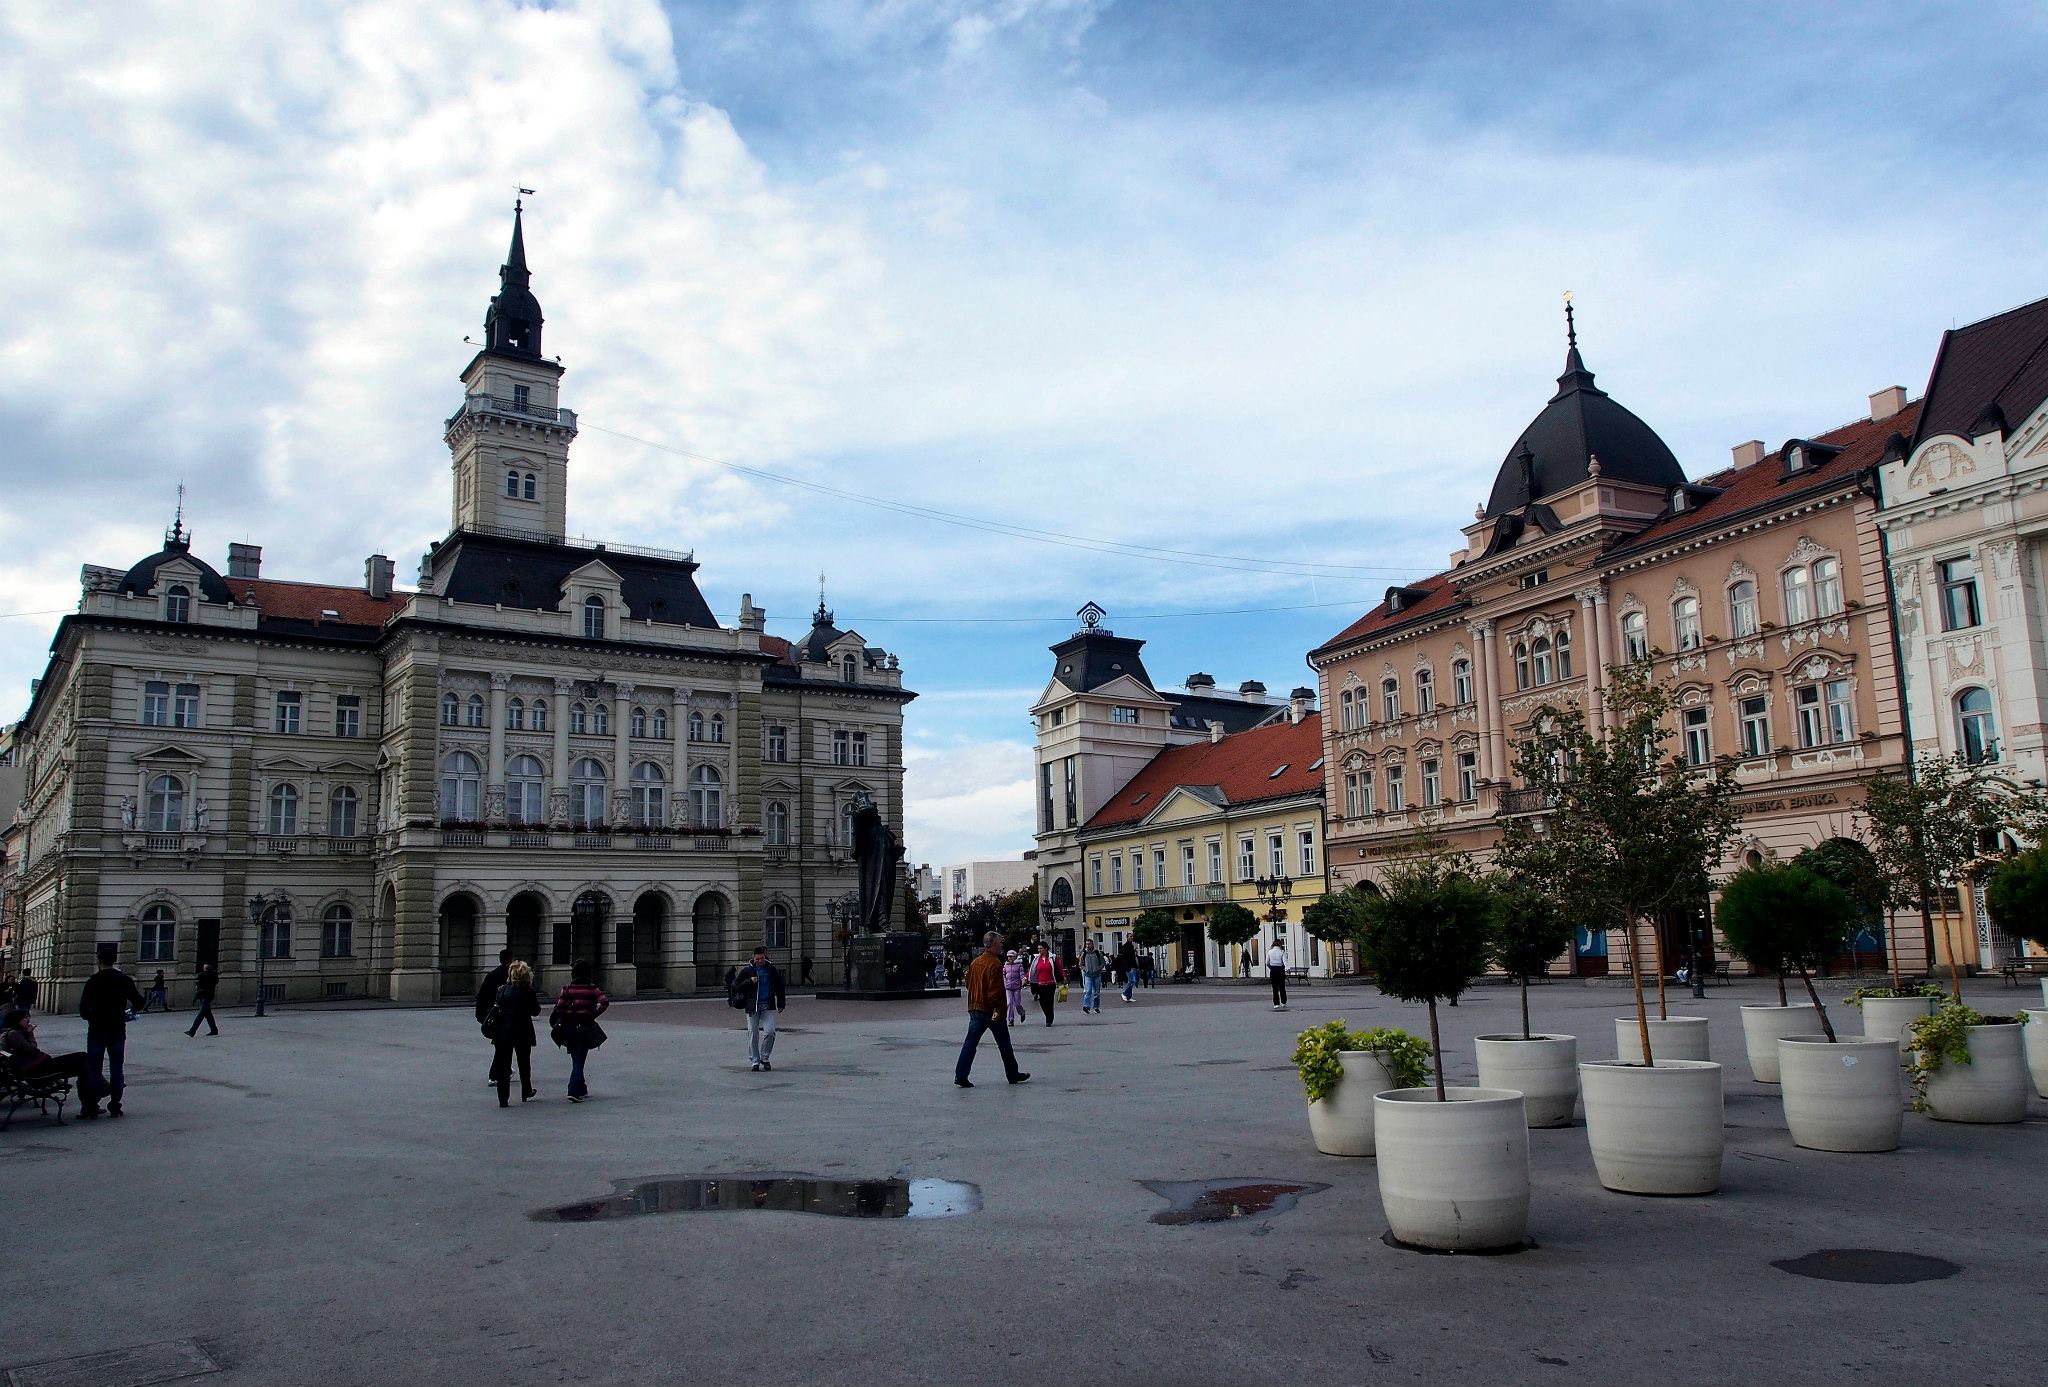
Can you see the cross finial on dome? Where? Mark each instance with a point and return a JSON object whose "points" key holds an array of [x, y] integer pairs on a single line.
{"points": [[1571, 327]]}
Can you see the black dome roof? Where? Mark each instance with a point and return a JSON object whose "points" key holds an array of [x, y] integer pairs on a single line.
{"points": [[141, 579], [1580, 422]]}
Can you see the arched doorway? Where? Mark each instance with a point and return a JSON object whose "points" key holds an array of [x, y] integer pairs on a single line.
{"points": [[458, 945], [523, 918], [641, 942], [707, 933]]}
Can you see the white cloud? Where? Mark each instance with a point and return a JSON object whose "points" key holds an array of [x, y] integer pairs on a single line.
{"points": [[967, 800]]}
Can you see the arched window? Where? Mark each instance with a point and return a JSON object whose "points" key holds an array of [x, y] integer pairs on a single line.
{"points": [[849, 669], [776, 931], [515, 714], [579, 717], [1635, 636], [451, 710], [1425, 690], [166, 806], [639, 722], [707, 797], [532, 487], [593, 617], [1461, 681], [341, 812], [540, 715], [776, 819], [586, 793], [337, 932], [601, 719], [462, 783], [1345, 711], [1976, 726], [1742, 613], [1563, 650], [1798, 597], [523, 787], [1685, 622], [1827, 587], [473, 711], [661, 722], [650, 795], [512, 484], [275, 935], [178, 603], [696, 726], [1521, 665], [1542, 670], [284, 810], [1390, 698], [718, 727], [159, 941]]}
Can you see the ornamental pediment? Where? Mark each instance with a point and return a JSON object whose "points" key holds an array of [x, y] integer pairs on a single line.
{"points": [[167, 752]]}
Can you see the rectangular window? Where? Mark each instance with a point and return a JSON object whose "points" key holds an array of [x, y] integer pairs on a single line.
{"points": [[156, 703], [860, 748], [1116, 874], [1365, 792], [348, 716], [1045, 803], [1397, 789], [778, 745], [1425, 691], [1187, 864], [1276, 854], [276, 940], [1351, 810], [1390, 700], [1138, 870], [1159, 866], [1307, 844], [841, 752], [1073, 795], [1686, 623], [1461, 682], [1841, 710], [1247, 865], [1215, 859], [1798, 596], [1827, 587], [1432, 784], [1095, 874], [1698, 743], [1468, 775], [1756, 726], [158, 941], [1742, 608], [1806, 711], [289, 706], [338, 935], [1122, 713], [1959, 610], [185, 706]]}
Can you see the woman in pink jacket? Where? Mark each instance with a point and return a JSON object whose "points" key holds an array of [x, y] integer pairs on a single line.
{"points": [[1045, 973], [1013, 987]]}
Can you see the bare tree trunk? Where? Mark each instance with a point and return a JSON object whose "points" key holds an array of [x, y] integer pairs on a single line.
{"points": [[1436, 1050], [1635, 973], [1891, 950], [1827, 1026], [1657, 944], [1781, 989], [1955, 977], [1525, 1006]]}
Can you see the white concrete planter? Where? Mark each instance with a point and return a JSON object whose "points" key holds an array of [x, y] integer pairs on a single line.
{"points": [[1764, 1027], [2044, 992], [1992, 1087], [1544, 1069], [2037, 1050], [1891, 1018], [1342, 1123], [1454, 1175], [1654, 1131], [1678, 1038], [1842, 1097]]}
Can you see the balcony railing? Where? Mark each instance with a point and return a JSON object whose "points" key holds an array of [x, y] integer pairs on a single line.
{"points": [[164, 842], [462, 837], [499, 404], [1526, 801], [1183, 895], [347, 847]]}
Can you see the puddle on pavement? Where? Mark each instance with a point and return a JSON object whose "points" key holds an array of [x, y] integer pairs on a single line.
{"points": [[1219, 1201], [794, 1194], [1868, 1266]]}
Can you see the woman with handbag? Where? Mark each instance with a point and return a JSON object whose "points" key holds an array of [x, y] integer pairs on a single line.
{"points": [[509, 1024], [1047, 975], [574, 1023]]}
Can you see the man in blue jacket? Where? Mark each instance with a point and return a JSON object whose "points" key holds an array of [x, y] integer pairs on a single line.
{"points": [[759, 986]]}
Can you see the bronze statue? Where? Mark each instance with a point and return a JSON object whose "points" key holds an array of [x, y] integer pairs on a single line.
{"points": [[876, 851]]}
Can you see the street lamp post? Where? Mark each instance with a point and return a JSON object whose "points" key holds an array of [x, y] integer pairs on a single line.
{"points": [[1054, 912], [258, 905], [846, 912], [1275, 891]]}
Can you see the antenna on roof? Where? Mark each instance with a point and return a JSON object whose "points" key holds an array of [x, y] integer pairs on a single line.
{"points": [[1571, 328], [176, 534]]}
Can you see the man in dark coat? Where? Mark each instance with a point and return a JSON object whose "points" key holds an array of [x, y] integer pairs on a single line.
{"points": [[105, 1002], [25, 990], [204, 987], [759, 986], [487, 993]]}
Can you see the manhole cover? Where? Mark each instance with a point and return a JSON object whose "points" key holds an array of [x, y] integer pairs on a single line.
{"points": [[1868, 1266], [796, 1194], [1219, 1201]]}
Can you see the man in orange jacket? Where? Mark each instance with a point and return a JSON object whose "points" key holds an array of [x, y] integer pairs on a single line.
{"points": [[985, 1011]]}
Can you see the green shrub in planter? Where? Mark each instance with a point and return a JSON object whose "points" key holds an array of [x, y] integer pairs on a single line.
{"points": [[1155, 929], [1943, 1039], [1231, 923], [1316, 1050], [1426, 936], [1855, 999], [1775, 914]]}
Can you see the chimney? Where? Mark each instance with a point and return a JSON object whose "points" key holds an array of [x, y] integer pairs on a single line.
{"points": [[1252, 688], [1215, 732], [245, 561], [1749, 454], [1887, 402], [1201, 681], [1299, 702], [377, 571], [752, 618]]}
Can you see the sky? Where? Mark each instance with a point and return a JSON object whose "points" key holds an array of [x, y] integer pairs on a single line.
{"points": [[1274, 287]]}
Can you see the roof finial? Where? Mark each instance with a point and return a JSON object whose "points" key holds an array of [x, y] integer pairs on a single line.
{"points": [[823, 616], [176, 534], [1571, 328]]}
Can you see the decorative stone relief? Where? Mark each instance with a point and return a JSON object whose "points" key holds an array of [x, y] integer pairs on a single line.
{"points": [[1964, 657], [1939, 462], [1751, 649], [1739, 570], [1806, 550], [494, 804]]}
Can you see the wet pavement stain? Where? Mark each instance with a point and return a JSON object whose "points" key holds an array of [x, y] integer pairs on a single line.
{"points": [[796, 1194], [1220, 1201], [1868, 1266]]}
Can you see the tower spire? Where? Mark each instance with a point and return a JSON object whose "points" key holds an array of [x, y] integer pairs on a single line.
{"points": [[1571, 328], [175, 537], [823, 616], [512, 323]]}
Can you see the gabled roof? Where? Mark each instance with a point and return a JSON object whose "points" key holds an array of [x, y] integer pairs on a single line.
{"points": [[1437, 596], [1238, 770], [2000, 363]]}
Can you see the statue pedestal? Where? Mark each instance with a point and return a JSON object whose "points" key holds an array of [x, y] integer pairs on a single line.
{"points": [[887, 968]]}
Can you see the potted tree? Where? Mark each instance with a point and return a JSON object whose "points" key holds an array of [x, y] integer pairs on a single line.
{"points": [[1769, 912], [1453, 1162], [1527, 932], [1969, 1067], [1155, 929], [1923, 825], [1231, 924], [1341, 1069], [2017, 896], [1335, 917], [1625, 830]]}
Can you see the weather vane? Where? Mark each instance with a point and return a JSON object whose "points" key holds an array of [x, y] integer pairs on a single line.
{"points": [[517, 205]]}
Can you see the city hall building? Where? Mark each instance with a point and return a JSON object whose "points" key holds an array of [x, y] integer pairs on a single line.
{"points": [[548, 746]]}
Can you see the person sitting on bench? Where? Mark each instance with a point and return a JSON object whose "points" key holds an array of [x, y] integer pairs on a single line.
{"points": [[27, 1060]]}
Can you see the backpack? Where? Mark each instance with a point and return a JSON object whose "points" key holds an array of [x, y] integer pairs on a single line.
{"points": [[736, 995]]}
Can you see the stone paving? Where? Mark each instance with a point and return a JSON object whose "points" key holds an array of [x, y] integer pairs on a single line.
{"points": [[334, 1196]]}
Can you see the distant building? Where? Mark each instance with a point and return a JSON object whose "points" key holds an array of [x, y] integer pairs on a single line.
{"points": [[960, 882]]}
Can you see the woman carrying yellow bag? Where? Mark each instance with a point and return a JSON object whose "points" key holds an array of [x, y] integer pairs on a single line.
{"points": [[1048, 979]]}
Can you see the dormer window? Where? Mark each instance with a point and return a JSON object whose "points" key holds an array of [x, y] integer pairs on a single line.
{"points": [[593, 618], [1795, 460], [849, 669], [1677, 499], [178, 603]]}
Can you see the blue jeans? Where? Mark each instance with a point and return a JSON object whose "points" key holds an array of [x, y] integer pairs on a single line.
{"points": [[977, 1022], [1130, 981], [760, 1034], [1091, 990], [577, 1088], [114, 1046]]}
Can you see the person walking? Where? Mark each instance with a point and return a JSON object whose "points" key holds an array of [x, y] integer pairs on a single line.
{"points": [[486, 995], [28, 1060], [1013, 986], [25, 990], [1147, 966], [203, 988], [803, 976], [105, 1002], [984, 990], [1092, 964], [1276, 971], [760, 987], [1045, 973], [510, 1017], [577, 1008], [1127, 967], [157, 999]]}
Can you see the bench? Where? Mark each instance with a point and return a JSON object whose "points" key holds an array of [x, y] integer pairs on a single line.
{"points": [[2011, 969], [1299, 975], [41, 1090]]}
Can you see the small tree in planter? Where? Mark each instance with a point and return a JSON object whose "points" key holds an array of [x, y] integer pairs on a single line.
{"points": [[1425, 938], [1923, 825], [1231, 923], [1778, 914], [1155, 929], [1527, 932], [1851, 866], [1335, 917], [2017, 896]]}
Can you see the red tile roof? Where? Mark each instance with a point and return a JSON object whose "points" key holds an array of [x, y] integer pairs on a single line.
{"points": [[286, 601], [1240, 766], [1438, 595]]}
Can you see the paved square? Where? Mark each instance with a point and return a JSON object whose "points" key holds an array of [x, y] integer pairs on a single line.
{"points": [[335, 1196]]}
